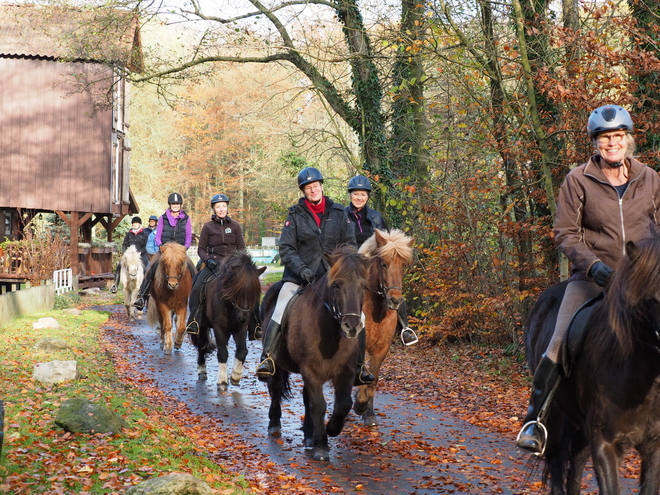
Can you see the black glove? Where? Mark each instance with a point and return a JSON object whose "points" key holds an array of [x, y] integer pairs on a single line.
{"points": [[307, 275], [601, 273], [212, 264]]}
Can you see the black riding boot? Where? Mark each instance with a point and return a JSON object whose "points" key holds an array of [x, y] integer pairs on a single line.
{"points": [[533, 435], [408, 335], [266, 367], [195, 304], [115, 284], [143, 295], [362, 375]]}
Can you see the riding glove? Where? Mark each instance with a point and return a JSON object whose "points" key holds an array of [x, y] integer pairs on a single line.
{"points": [[307, 275], [212, 264], [601, 273]]}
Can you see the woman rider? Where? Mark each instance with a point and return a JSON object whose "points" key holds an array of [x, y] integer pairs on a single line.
{"points": [[174, 226], [602, 204], [314, 226], [136, 236], [367, 220], [219, 238]]}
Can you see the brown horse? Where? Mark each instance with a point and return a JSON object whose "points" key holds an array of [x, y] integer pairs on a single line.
{"points": [[390, 252], [169, 293], [319, 341], [609, 403]]}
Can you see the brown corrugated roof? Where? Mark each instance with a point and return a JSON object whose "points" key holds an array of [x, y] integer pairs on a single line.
{"points": [[100, 35]]}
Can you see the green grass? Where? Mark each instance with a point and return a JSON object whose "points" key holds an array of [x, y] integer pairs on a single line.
{"points": [[40, 457], [271, 278]]}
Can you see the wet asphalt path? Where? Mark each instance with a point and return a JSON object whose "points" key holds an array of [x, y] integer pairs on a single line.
{"points": [[413, 451]]}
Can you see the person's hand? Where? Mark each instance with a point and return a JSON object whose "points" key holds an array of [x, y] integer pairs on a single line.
{"points": [[307, 275], [601, 273], [212, 264]]}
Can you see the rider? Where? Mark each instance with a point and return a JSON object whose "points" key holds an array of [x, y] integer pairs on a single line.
{"points": [[151, 240], [219, 238], [175, 226], [314, 227], [136, 236], [602, 204], [367, 220]]}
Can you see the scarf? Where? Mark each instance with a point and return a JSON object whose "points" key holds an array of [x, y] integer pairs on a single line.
{"points": [[317, 210]]}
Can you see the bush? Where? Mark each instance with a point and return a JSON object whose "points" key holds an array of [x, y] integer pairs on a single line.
{"points": [[67, 300]]}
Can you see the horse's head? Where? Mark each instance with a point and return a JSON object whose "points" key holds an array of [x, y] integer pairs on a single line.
{"points": [[173, 263], [238, 281], [391, 251], [345, 287], [131, 262]]}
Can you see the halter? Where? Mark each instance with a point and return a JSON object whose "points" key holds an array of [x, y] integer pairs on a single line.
{"points": [[236, 306], [336, 313]]}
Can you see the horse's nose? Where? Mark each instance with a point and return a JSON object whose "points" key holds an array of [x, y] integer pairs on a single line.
{"points": [[173, 286], [394, 302], [351, 329]]}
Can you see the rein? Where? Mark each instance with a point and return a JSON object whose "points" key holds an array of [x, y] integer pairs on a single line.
{"points": [[336, 313]]}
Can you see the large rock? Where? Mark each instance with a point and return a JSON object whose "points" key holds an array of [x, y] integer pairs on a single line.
{"points": [[171, 484], [55, 371], [51, 344], [83, 416], [72, 311], [42, 323]]}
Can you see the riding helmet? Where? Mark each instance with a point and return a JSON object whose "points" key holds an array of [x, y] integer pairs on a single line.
{"points": [[175, 199], [219, 198], [309, 175], [153, 217], [359, 182], [136, 220], [609, 118]]}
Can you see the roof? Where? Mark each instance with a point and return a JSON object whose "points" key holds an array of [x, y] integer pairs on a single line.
{"points": [[98, 35]]}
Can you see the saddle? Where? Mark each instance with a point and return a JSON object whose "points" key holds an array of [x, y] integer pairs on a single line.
{"points": [[577, 330], [287, 309]]}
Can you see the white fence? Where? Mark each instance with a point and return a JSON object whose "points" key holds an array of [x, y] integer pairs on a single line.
{"points": [[63, 280]]}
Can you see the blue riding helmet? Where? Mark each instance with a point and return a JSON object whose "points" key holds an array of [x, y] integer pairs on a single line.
{"points": [[308, 175], [359, 182], [219, 198]]}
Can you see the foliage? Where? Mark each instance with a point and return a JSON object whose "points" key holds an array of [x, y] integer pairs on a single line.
{"points": [[66, 300]]}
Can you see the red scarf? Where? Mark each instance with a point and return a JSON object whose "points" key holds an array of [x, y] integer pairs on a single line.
{"points": [[317, 210]]}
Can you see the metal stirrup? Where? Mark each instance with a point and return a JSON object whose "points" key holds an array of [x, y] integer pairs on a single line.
{"points": [[544, 435]]}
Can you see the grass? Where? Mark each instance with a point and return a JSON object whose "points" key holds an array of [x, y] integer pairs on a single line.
{"points": [[271, 278], [40, 457]]}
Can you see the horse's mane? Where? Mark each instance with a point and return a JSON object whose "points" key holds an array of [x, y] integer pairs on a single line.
{"points": [[344, 261], [634, 285], [132, 254], [236, 274], [171, 254], [397, 244]]}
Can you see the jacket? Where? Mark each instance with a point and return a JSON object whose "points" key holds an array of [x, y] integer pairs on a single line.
{"points": [[365, 222], [593, 224], [137, 238], [174, 229], [303, 244], [219, 238]]}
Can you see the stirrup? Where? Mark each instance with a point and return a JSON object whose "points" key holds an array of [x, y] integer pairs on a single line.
{"points": [[113, 288], [416, 339], [544, 434], [264, 374], [139, 303], [192, 328]]}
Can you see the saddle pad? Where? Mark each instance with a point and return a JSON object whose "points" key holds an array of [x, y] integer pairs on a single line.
{"points": [[577, 330]]}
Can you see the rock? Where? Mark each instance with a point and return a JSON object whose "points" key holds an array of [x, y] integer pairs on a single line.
{"points": [[55, 371], [83, 416], [91, 290], [42, 323], [171, 484], [72, 311], [51, 344]]}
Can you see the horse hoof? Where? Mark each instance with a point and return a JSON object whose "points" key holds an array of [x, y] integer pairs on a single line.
{"points": [[321, 455], [308, 443], [167, 352], [222, 387], [177, 346], [370, 420], [275, 431], [202, 376], [235, 382]]}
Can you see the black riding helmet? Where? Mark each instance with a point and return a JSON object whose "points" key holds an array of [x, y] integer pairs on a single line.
{"points": [[359, 182], [219, 198], [309, 175], [175, 199], [609, 118]]}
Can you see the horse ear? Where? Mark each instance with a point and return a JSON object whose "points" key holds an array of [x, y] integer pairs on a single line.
{"points": [[380, 238], [261, 270]]}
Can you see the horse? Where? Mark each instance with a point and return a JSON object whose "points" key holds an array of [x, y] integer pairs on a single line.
{"points": [[609, 401], [319, 341], [131, 275], [169, 291], [231, 296], [390, 252]]}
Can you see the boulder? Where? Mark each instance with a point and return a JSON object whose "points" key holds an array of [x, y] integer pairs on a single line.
{"points": [[51, 344], [72, 311], [171, 484], [55, 371], [42, 323], [83, 416]]}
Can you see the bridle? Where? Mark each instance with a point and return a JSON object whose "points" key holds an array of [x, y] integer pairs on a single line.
{"points": [[382, 288], [334, 309]]}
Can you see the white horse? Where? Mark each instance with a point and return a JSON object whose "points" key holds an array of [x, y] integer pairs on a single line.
{"points": [[132, 273]]}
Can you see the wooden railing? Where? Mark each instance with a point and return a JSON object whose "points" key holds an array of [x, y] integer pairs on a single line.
{"points": [[31, 260]]}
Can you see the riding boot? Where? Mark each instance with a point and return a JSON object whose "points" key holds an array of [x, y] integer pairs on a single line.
{"points": [[362, 375], [533, 436], [195, 303], [266, 367], [143, 295], [408, 335], [113, 287]]}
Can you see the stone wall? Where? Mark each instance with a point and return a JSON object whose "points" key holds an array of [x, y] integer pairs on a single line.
{"points": [[36, 299]]}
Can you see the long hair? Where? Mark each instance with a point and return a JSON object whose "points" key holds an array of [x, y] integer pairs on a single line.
{"points": [[239, 275], [397, 244]]}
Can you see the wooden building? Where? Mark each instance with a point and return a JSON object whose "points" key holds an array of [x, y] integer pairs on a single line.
{"points": [[64, 143]]}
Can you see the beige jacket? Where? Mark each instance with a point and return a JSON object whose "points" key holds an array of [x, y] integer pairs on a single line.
{"points": [[593, 224]]}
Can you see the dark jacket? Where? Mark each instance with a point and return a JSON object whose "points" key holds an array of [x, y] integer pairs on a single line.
{"points": [[592, 224], [174, 229], [303, 244], [136, 238], [219, 238], [366, 221]]}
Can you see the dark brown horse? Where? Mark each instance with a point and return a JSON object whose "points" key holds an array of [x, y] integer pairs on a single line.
{"points": [[610, 402], [231, 296], [390, 252], [169, 294], [320, 342]]}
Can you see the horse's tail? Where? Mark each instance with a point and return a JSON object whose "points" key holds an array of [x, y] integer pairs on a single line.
{"points": [[152, 313], [203, 341]]}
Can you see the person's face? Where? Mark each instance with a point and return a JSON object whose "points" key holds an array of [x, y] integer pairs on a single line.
{"points": [[136, 225], [152, 223], [175, 207], [220, 209], [359, 198], [313, 192], [612, 146]]}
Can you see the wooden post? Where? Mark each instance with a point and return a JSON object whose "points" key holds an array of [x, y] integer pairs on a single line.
{"points": [[74, 222]]}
